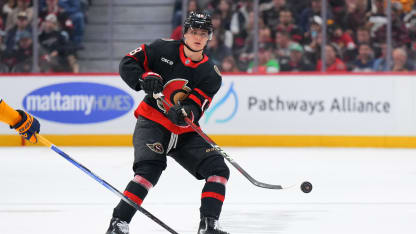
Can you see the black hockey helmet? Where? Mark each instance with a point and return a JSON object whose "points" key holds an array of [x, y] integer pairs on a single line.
{"points": [[200, 20]]}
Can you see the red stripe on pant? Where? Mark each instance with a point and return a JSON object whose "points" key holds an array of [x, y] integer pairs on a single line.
{"points": [[213, 195], [133, 197]]}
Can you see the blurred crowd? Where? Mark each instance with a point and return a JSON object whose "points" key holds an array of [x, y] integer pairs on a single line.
{"points": [[290, 35], [60, 30]]}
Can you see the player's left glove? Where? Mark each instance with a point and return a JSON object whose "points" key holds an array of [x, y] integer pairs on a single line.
{"points": [[27, 127], [177, 114], [151, 82]]}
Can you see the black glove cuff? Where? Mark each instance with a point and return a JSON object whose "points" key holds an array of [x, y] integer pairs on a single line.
{"points": [[24, 118]]}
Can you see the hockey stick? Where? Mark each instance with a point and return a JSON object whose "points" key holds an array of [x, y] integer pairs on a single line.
{"points": [[46, 142], [159, 96]]}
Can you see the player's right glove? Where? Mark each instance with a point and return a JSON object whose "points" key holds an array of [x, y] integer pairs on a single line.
{"points": [[27, 127], [151, 82], [177, 114]]}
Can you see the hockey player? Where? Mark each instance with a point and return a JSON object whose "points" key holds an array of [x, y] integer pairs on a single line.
{"points": [[25, 124], [189, 80]]}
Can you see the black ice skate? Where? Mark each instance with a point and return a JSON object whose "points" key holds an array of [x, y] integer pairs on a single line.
{"points": [[209, 226], [118, 226]]}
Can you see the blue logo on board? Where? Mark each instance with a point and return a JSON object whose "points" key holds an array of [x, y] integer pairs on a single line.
{"points": [[231, 95], [78, 102]]}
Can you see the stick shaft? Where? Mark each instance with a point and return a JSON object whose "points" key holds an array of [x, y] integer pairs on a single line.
{"points": [[46, 142], [221, 151]]}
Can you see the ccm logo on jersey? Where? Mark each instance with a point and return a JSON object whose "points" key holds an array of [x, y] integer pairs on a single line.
{"points": [[166, 61]]}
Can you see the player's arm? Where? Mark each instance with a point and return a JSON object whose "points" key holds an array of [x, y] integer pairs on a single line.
{"points": [[25, 124], [135, 70], [197, 101]]}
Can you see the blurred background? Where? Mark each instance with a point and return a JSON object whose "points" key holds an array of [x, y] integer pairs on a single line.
{"points": [[263, 36], [295, 73]]}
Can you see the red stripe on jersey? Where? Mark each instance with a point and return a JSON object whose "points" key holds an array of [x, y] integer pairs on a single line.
{"points": [[128, 55], [195, 99], [151, 113], [146, 62], [203, 94], [133, 197], [217, 179], [213, 195], [143, 182], [187, 61]]}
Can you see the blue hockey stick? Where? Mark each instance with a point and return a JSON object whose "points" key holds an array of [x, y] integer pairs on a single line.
{"points": [[46, 142]]}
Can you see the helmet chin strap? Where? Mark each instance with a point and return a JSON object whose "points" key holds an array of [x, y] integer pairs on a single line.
{"points": [[183, 41]]}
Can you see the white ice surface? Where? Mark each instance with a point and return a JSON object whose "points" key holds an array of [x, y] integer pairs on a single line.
{"points": [[356, 191]]}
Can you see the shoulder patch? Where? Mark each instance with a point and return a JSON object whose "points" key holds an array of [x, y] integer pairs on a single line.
{"points": [[217, 70]]}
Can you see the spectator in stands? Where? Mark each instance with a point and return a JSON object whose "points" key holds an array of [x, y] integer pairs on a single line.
{"points": [[14, 34], [296, 62], [3, 67], [270, 12], [307, 15], [224, 35], [57, 57], [377, 19], [23, 54], [363, 36], [246, 54], [7, 9], [406, 5], [266, 62], [380, 63], [355, 14], [287, 24], [241, 25], [229, 65], [216, 50], [22, 6], [365, 59], [282, 43], [378, 22], [73, 9], [225, 11], [333, 63], [400, 61], [343, 41], [314, 37], [178, 14], [177, 31], [65, 23]]}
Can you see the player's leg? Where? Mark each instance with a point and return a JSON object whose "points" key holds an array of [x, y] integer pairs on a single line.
{"points": [[202, 161], [150, 145]]}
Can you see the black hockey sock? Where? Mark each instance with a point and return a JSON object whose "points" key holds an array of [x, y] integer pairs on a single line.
{"points": [[136, 190], [213, 195]]}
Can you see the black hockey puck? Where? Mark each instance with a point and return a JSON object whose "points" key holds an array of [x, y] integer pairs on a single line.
{"points": [[306, 187]]}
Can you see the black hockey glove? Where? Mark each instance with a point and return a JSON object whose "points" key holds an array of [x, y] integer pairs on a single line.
{"points": [[177, 116], [151, 82]]}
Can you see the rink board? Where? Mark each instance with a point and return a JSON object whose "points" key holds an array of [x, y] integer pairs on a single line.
{"points": [[368, 110]]}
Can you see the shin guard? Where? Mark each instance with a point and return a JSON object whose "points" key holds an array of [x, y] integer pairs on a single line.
{"points": [[136, 191]]}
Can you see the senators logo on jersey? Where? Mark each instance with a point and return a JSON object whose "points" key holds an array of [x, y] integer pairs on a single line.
{"points": [[175, 90]]}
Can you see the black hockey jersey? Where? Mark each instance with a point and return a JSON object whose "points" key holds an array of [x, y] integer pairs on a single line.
{"points": [[189, 82]]}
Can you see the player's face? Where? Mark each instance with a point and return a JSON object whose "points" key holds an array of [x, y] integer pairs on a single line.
{"points": [[196, 38]]}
